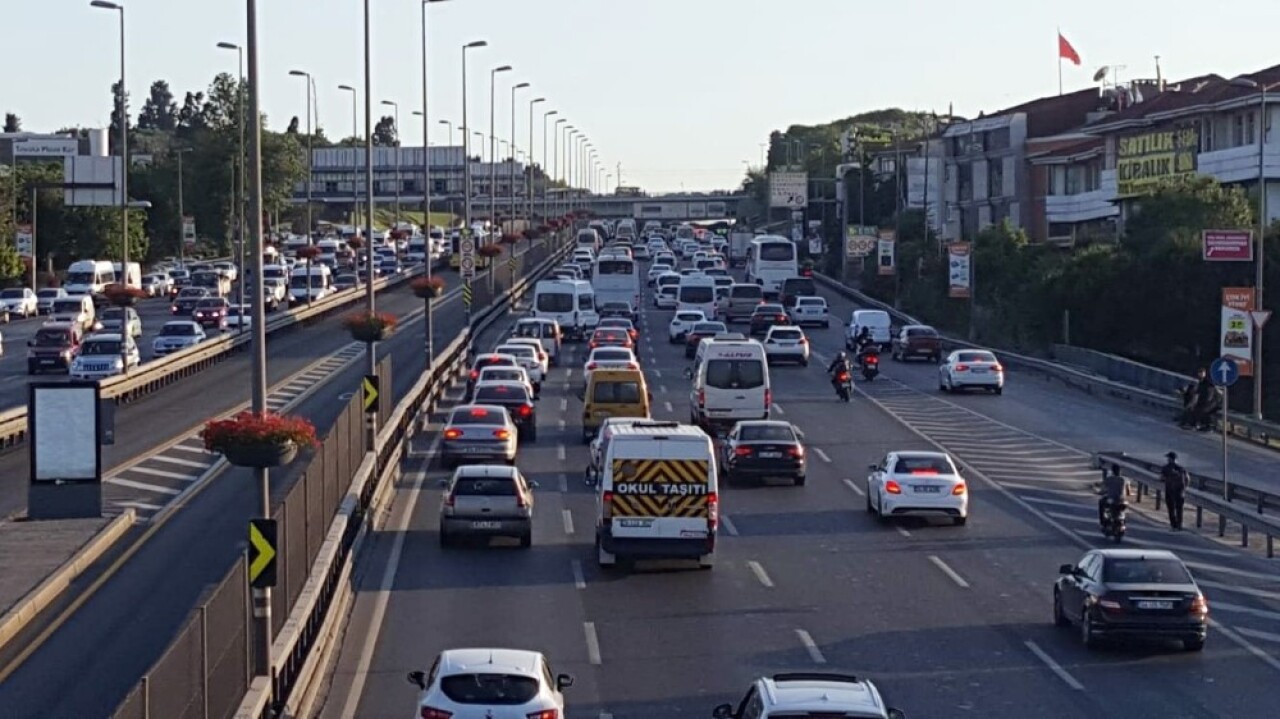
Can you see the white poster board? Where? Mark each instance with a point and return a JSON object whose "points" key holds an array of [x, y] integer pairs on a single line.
{"points": [[64, 433]]}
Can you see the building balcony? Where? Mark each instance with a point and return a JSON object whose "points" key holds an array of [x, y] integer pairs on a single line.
{"points": [[1239, 164]]}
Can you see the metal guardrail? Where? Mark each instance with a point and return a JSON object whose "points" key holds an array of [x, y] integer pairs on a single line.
{"points": [[1266, 434], [295, 667], [1242, 505], [159, 373]]}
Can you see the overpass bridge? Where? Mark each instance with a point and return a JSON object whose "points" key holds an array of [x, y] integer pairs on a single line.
{"points": [[664, 208]]}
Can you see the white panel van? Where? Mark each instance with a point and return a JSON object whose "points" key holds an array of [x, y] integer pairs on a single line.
{"points": [[697, 292], [571, 303], [730, 383]]}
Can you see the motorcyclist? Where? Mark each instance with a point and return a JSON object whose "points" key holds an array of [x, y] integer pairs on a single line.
{"points": [[862, 340], [838, 365], [1206, 401], [1114, 489]]}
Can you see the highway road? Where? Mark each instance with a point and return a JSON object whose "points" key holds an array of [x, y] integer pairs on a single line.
{"points": [[949, 621], [132, 618]]}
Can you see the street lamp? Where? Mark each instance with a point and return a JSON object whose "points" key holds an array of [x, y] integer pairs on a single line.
{"points": [[426, 153], [570, 140], [372, 367], [355, 137], [310, 138], [396, 106], [555, 151], [528, 185], [493, 146], [511, 185], [545, 177], [240, 160], [466, 153], [124, 147], [1250, 83]]}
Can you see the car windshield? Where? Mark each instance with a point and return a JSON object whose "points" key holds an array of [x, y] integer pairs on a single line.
{"points": [[477, 415], [179, 330], [735, 374], [67, 307], [709, 328], [192, 292], [975, 357], [766, 432], [747, 292], [699, 294], [210, 304], [100, 347], [689, 317], [50, 338], [769, 310], [484, 487], [922, 465], [491, 361], [519, 350], [624, 392], [11, 294], [555, 302], [1144, 570], [501, 373], [496, 689]]}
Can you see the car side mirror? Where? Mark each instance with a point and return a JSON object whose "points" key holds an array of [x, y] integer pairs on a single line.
{"points": [[563, 681], [1067, 569], [31, 343], [533, 484], [418, 679], [873, 467], [724, 711]]}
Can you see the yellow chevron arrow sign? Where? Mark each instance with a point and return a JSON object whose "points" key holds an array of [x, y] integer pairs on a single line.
{"points": [[262, 553]]}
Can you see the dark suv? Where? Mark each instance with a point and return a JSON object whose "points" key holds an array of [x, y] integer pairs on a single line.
{"points": [[53, 347]]}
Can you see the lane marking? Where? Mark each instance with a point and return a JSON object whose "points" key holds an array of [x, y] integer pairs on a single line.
{"points": [[1240, 609], [1063, 674], [1258, 634], [854, 486], [140, 505], [947, 570], [161, 473], [811, 646], [564, 483], [902, 530], [1237, 589], [181, 462], [564, 404], [777, 408], [579, 580], [561, 424], [821, 455], [728, 525], [668, 407], [662, 388], [761, 575], [568, 521], [593, 643], [560, 452], [189, 448], [657, 373], [568, 374], [141, 485]]}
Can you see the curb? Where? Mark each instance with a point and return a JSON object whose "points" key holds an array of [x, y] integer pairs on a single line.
{"points": [[30, 606]]}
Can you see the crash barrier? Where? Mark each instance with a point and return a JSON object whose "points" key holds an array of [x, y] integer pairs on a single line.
{"points": [[208, 669], [1263, 433], [159, 373], [1244, 506]]}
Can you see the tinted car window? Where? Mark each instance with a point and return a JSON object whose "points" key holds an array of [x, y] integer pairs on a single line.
{"points": [[499, 689], [178, 330], [617, 392], [921, 332], [50, 338], [498, 395], [768, 432], [786, 334], [923, 465], [689, 316], [1139, 570], [555, 303], [799, 286], [975, 357], [696, 295], [703, 328], [613, 355], [735, 374], [477, 416], [484, 487], [769, 310]]}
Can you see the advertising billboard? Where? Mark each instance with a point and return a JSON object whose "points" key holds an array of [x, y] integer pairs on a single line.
{"points": [[1147, 160]]}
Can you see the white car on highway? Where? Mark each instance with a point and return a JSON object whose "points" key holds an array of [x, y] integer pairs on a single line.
{"points": [[177, 335], [608, 358], [786, 344], [666, 297], [20, 301], [531, 357], [490, 683], [100, 357], [810, 311], [45, 298], [657, 270], [971, 368], [917, 483], [682, 322], [239, 316]]}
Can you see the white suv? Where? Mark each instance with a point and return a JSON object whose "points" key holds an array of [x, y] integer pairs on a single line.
{"points": [[810, 694], [479, 682]]}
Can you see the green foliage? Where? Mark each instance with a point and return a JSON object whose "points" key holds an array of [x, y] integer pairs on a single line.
{"points": [[12, 268], [385, 133], [12, 123]]}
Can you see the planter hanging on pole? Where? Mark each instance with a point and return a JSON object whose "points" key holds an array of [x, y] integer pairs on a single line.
{"points": [[259, 440], [428, 287], [369, 328]]}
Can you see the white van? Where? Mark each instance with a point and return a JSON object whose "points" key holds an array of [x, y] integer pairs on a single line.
{"points": [[571, 303], [876, 320], [546, 331], [76, 309], [730, 383], [89, 277], [588, 238], [658, 495], [697, 292]]}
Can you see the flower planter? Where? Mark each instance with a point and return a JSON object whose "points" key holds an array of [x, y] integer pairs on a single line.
{"points": [[368, 333], [261, 456], [428, 293]]}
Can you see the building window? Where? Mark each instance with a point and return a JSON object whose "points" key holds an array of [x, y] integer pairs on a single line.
{"points": [[1093, 176], [998, 139], [1057, 179], [966, 182], [1059, 230], [439, 187], [995, 179], [331, 188], [1075, 180], [1206, 135], [1237, 130]]}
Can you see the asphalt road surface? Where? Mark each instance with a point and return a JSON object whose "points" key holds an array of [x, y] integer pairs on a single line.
{"points": [[949, 621]]}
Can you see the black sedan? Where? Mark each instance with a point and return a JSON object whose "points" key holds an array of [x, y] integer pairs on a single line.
{"points": [[766, 316], [516, 399], [1131, 593], [759, 449], [186, 301]]}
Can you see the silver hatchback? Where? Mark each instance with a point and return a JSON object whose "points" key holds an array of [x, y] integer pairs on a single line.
{"points": [[487, 500], [478, 432]]}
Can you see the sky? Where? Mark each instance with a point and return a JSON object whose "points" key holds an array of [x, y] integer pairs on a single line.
{"points": [[680, 93]]}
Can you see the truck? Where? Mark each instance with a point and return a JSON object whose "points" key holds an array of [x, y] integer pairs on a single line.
{"points": [[88, 277], [739, 243]]}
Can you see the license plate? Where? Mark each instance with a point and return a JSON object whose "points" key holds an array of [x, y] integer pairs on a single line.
{"points": [[927, 489], [1155, 604], [49, 361], [979, 370], [770, 455], [484, 525], [635, 523]]}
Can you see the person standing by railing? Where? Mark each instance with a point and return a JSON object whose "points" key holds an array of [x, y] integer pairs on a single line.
{"points": [[1176, 481]]}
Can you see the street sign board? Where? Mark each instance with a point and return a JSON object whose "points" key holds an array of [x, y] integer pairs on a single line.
{"points": [[467, 262], [1260, 318], [262, 553], [1227, 245], [1224, 372], [789, 189], [369, 388]]}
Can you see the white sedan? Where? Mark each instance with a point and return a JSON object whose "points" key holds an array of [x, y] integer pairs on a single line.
{"points": [[810, 311], [608, 358], [526, 356], [682, 322], [657, 270], [917, 483], [786, 344], [971, 368], [544, 360], [666, 297]]}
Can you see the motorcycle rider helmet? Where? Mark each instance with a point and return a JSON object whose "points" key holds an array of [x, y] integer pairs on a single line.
{"points": [[841, 357]]}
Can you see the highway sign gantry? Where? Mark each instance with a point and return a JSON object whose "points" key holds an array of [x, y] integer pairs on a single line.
{"points": [[262, 553], [369, 393], [1224, 372]]}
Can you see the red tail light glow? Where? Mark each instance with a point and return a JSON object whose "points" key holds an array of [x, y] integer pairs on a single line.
{"points": [[544, 714], [452, 433], [892, 487], [1199, 605], [606, 503], [592, 365], [962, 368], [632, 365], [873, 359], [433, 713], [804, 341], [796, 451], [702, 398], [502, 433], [997, 367], [742, 452], [768, 398], [475, 374], [959, 489], [526, 410], [713, 512], [843, 377]]}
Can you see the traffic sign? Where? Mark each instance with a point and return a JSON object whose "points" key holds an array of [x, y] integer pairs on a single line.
{"points": [[1260, 317], [262, 553], [369, 389], [1224, 372], [789, 189], [467, 260], [1227, 245], [466, 294], [511, 263]]}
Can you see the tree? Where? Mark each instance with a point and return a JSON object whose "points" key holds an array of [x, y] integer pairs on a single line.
{"points": [[385, 132], [293, 126], [159, 112], [12, 123], [11, 265], [191, 114], [118, 97]]}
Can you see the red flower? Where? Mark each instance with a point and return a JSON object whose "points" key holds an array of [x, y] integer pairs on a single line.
{"points": [[378, 321], [248, 429], [510, 238], [310, 252], [490, 251]]}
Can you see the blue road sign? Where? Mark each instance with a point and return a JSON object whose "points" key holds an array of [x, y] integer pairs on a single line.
{"points": [[1224, 372]]}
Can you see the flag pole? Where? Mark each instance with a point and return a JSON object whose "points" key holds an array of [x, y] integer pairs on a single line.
{"points": [[1059, 61]]}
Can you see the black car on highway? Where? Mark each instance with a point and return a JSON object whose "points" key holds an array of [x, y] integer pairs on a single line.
{"points": [[767, 315], [1131, 593], [186, 301], [516, 399], [760, 449]]}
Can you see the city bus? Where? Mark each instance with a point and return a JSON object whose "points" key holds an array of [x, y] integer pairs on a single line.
{"points": [[770, 260], [616, 278]]}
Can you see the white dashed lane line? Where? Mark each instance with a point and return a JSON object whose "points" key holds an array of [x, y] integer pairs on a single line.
{"points": [[761, 575], [1053, 665], [947, 570], [811, 646], [821, 455], [593, 643], [854, 487]]}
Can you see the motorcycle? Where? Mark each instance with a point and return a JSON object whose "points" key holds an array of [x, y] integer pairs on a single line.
{"points": [[844, 385], [870, 363], [1113, 520]]}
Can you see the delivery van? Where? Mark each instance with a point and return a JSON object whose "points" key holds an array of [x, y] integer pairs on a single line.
{"points": [[658, 495], [730, 384], [571, 303]]}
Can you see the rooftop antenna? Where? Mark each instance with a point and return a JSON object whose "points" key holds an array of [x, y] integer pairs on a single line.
{"points": [[1159, 77], [1101, 74]]}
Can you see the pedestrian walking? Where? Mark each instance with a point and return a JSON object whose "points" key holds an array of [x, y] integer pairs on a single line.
{"points": [[1176, 480]]}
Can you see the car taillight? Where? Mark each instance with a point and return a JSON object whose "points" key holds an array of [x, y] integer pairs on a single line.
{"points": [[449, 500], [502, 433], [1199, 605], [632, 365], [768, 398], [475, 374], [592, 365], [959, 489], [433, 713], [1110, 605], [594, 344], [742, 452], [873, 359], [525, 410], [892, 487], [804, 341], [452, 433], [521, 503], [843, 376], [713, 512], [544, 714], [606, 504], [796, 451], [997, 367], [173, 308], [962, 368], [702, 398]]}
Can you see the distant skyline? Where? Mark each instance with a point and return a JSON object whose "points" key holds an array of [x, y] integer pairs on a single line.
{"points": [[680, 93]]}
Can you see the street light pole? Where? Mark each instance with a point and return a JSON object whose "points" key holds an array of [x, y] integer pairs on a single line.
{"points": [[493, 146], [555, 155], [511, 173], [240, 162], [571, 142], [355, 138], [1260, 260], [370, 348], [396, 147], [466, 161], [310, 138], [124, 148], [546, 177], [528, 185], [426, 147]]}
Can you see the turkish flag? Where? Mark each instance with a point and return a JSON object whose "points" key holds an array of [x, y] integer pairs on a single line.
{"points": [[1066, 52]]}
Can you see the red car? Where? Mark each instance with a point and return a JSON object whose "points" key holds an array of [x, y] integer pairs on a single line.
{"points": [[211, 313]]}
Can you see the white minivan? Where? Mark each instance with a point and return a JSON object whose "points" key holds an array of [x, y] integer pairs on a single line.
{"points": [[697, 292], [876, 321], [571, 303], [730, 384]]}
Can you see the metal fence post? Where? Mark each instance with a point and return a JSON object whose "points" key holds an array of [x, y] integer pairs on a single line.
{"points": [[146, 696], [204, 660]]}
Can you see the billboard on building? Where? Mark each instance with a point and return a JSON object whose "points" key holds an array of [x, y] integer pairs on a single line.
{"points": [[789, 189], [50, 147], [1146, 160]]}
